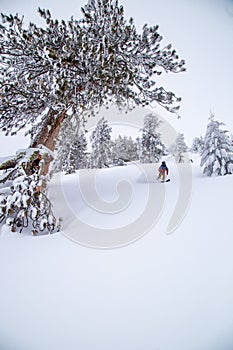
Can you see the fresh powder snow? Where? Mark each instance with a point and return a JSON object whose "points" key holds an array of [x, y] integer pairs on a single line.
{"points": [[161, 292]]}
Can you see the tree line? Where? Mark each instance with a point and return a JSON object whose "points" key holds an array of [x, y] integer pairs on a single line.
{"points": [[73, 152]]}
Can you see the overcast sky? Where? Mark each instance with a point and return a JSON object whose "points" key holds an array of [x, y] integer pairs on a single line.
{"points": [[202, 33]]}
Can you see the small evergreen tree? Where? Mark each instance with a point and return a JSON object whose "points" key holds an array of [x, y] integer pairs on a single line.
{"points": [[70, 163], [80, 145], [172, 149], [152, 146], [197, 145], [217, 154], [71, 148], [64, 145], [132, 149], [180, 148], [139, 147], [76, 158], [101, 144]]}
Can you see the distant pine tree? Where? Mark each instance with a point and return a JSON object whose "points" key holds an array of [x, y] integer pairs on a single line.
{"points": [[139, 147], [197, 145], [70, 163], [180, 148], [124, 148], [152, 147], [132, 149], [71, 148], [217, 154], [80, 145], [101, 145], [172, 149], [63, 145], [77, 156]]}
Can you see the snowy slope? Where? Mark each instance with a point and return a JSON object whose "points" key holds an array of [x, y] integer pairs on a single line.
{"points": [[161, 292]]}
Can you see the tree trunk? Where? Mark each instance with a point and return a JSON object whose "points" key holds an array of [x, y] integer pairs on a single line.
{"points": [[48, 134]]}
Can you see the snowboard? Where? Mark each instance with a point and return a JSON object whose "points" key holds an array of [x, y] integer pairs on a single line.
{"points": [[168, 180]]}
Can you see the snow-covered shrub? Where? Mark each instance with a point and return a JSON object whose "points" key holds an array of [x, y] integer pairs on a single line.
{"points": [[27, 206], [23, 200]]}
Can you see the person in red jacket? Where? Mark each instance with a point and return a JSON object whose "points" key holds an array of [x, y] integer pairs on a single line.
{"points": [[163, 171]]}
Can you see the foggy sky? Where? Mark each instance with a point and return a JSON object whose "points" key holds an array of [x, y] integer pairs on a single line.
{"points": [[200, 30]]}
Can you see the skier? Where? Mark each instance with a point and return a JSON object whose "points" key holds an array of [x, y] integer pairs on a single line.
{"points": [[163, 172]]}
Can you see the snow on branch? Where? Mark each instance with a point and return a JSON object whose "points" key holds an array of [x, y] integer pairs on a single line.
{"points": [[23, 200], [80, 64]]}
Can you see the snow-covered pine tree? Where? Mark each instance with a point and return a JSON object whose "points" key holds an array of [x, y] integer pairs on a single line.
{"points": [[172, 149], [197, 145], [101, 145], [180, 148], [70, 67], [132, 148], [63, 145], [124, 148], [71, 148], [80, 145], [231, 138], [139, 147], [217, 154], [70, 163], [152, 146], [76, 65]]}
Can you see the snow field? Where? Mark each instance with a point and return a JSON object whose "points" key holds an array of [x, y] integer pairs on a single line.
{"points": [[161, 292]]}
